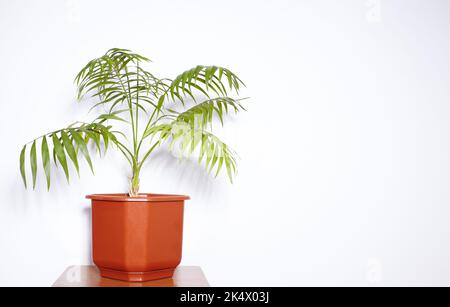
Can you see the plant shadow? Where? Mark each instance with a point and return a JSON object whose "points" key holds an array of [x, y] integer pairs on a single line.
{"points": [[185, 175], [87, 212]]}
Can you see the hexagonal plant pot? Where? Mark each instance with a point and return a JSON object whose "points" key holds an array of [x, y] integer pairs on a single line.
{"points": [[137, 238]]}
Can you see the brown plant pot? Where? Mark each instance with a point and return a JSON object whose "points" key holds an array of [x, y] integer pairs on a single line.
{"points": [[137, 238]]}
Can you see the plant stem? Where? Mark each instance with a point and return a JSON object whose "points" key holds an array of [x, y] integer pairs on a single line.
{"points": [[134, 185], [137, 112], [146, 127]]}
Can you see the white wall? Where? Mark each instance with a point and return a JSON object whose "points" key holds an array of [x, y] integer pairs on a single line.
{"points": [[344, 169]]}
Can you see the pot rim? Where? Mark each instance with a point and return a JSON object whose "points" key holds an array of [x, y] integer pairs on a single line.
{"points": [[142, 197]]}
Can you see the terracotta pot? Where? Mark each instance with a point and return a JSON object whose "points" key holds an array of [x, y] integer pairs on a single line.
{"points": [[137, 239]]}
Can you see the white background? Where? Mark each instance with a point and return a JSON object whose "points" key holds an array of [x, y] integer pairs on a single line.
{"points": [[344, 167]]}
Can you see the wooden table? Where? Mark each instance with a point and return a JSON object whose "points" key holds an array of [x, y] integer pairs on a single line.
{"points": [[88, 276]]}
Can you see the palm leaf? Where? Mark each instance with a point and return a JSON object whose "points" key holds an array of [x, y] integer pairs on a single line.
{"points": [[81, 145], [116, 77], [46, 160], [202, 78], [70, 149], [212, 151], [202, 114], [22, 165], [60, 154], [33, 162], [68, 141]]}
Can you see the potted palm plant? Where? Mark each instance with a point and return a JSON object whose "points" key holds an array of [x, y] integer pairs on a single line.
{"points": [[138, 236]]}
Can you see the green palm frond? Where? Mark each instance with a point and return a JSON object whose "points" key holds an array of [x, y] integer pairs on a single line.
{"points": [[202, 114], [202, 79], [116, 78], [113, 60], [65, 144], [209, 147]]}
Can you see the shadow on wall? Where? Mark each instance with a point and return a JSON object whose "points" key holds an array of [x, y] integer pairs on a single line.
{"points": [[22, 198], [186, 176], [87, 212]]}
